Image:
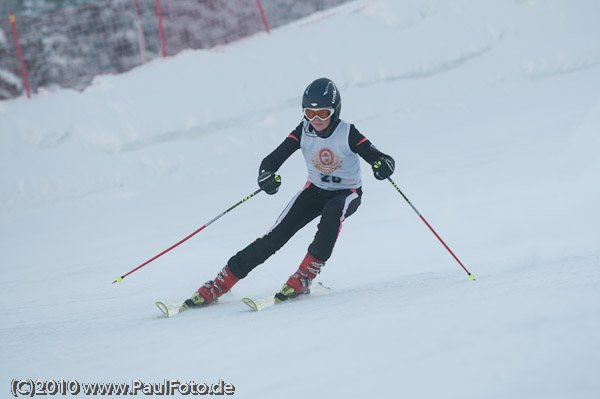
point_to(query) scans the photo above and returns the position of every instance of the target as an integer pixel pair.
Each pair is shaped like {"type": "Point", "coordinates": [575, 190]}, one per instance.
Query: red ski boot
{"type": "Point", "coordinates": [213, 289]}
{"type": "Point", "coordinates": [299, 282]}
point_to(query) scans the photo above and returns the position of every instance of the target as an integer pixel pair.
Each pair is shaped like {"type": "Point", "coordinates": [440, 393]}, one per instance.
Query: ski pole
{"type": "Point", "coordinates": [471, 277]}
{"type": "Point", "coordinates": [119, 279]}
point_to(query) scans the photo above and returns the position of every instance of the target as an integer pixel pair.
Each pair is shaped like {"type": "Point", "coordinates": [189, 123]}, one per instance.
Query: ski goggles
{"type": "Point", "coordinates": [321, 113]}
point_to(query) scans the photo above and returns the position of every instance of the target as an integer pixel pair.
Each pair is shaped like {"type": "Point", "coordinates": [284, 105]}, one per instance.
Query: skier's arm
{"type": "Point", "coordinates": [363, 146]}
{"type": "Point", "coordinates": [383, 164]}
{"type": "Point", "coordinates": [267, 179]}
{"type": "Point", "coordinates": [274, 160]}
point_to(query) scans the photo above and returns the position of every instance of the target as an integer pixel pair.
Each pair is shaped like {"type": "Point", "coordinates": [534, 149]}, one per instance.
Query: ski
{"type": "Point", "coordinates": [174, 308]}
{"type": "Point", "coordinates": [259, 304]}
{"type": "Point", "coordinates": [171, 309]}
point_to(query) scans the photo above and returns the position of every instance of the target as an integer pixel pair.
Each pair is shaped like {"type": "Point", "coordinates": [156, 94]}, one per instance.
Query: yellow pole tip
{"type": "Point", "coordinates": [118, 279]}
{"type": "Point", "coordinates": [471, 277]}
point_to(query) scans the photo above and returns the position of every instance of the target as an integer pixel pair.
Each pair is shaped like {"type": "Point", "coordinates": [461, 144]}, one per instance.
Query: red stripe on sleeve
{"type": "Point", "coordinates": [362, 141]}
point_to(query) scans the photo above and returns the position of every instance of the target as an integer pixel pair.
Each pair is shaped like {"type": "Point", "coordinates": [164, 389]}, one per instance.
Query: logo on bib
{"type": "Point", "coordinates": [326, 161]}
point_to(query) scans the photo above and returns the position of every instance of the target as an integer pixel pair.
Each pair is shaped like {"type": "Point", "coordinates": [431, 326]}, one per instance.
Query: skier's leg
{"type": "Point", "coordinates": [336, 210]}
{"type": "Point", "coordinates": [300, 211]}
{"type": "Point", "coordinates": [300, 281]}
{"type": "Point", "coordinates": [213, 289]}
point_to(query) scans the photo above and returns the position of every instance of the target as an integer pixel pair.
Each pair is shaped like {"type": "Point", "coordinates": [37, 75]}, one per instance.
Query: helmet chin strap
{"type": "Point", "coordinates": [327, 132]}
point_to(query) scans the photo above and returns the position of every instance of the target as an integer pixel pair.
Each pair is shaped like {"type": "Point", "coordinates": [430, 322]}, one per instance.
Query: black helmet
{"type": "Point", "coordinates": [323, 93]}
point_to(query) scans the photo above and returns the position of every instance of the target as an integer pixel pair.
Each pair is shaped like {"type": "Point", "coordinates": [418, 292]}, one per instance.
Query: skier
{"type": "Point", "coordinates": [331, 148]}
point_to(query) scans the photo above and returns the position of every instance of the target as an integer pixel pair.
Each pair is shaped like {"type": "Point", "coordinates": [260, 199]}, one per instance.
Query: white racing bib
{"type": "Point", "coordinates": [331, 163]}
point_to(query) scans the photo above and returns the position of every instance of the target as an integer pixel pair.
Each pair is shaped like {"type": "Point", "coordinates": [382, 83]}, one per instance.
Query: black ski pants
{"type": "Point", "coordinates": [332, 206]}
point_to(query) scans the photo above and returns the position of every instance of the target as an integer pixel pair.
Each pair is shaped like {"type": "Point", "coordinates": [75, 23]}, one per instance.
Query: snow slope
{"type": "Point", "coordinates": [492, 111]}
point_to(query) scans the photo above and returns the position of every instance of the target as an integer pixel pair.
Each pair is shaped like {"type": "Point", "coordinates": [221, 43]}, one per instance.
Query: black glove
{"type": "Point", "coordinates": [269, 182]}
{"type": "Point", "coordinates": [383, 167]}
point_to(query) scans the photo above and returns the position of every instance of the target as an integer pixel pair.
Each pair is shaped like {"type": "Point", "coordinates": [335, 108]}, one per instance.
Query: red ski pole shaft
{"type": "Point", "coordinates": [471, 277]}
{"type": "Point", "coordinates": [119, 279]}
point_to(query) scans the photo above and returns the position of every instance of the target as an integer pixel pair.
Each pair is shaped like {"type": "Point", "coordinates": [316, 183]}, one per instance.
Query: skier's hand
{"type": "Point", "coordinates": [269, 182]}
{"type": "Point", "coordinates": [383, 167]}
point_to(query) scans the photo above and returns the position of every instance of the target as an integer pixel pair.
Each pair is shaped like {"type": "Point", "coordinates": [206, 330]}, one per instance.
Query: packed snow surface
{"type": "Point", "coordinates": [491, 110]}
